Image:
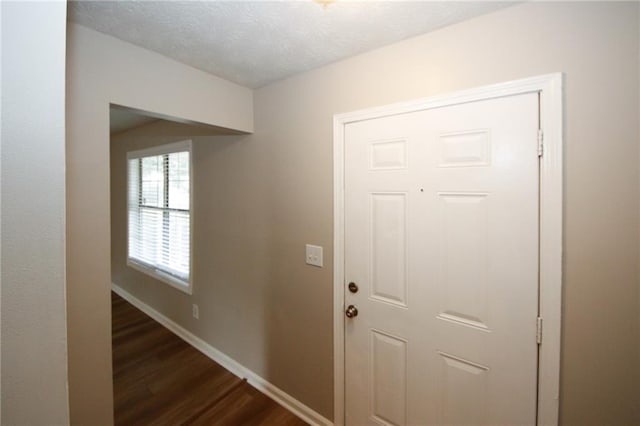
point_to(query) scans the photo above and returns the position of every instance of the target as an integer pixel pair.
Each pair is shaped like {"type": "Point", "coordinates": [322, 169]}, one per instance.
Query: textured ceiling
{"type": "Point", "coordinates": [254, 43]}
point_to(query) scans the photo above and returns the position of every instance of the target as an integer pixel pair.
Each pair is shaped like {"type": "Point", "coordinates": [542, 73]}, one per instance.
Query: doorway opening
{"type": "Point", "coordinates": [152, 365]}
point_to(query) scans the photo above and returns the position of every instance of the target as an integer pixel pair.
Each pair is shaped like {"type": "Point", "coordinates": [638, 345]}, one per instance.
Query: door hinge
{"type": "Point", "coordinates": [540, 143]}
{"type": "Point", "coordinates": [539, 330]}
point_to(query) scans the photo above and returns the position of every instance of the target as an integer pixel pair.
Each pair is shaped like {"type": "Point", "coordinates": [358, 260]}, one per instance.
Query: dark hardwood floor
{"type": "Point", "coordinates": [158, 379]}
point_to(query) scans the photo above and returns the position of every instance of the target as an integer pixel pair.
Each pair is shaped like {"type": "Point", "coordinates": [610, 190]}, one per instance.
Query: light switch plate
{"type": "Point", "coordinates": [314, 255]}
{"type": "Point", "coordinates": [195, 311]}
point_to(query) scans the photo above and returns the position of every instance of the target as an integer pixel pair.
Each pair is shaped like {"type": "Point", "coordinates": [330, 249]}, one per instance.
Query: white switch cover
{"type": "Point", "coordinates": [314, 255]}
{"type": "Point", "coordinates": [196, 311]}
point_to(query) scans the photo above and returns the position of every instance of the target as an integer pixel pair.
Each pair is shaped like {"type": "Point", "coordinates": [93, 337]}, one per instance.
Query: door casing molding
{"type": "Point", "coordinates": [550, 89]}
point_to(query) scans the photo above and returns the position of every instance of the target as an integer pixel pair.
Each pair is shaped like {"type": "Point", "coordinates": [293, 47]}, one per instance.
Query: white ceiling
{"type": "Point", "coordinates": [254, 43]}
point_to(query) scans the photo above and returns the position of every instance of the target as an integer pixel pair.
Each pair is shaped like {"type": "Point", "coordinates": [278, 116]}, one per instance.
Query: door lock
{"type": "Point", "coordinates": [351, 311]}
{"type": "Point", "coordinates": [353, 288]}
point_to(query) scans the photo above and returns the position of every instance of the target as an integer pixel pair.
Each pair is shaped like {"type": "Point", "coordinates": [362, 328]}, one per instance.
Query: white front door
{"type": "Point", "coordinates": [441, 241]}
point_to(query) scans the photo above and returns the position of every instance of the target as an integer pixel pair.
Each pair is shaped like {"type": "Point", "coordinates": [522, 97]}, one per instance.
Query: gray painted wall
{"type": "Point", "coordinates": [34, 339]}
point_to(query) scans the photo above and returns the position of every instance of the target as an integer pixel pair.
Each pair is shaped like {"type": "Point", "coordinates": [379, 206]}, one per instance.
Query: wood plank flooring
{"type": "Point", "coordinates": [158, 379]}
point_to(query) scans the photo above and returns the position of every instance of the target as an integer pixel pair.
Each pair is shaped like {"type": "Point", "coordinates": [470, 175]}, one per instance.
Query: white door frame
{"type": "Point", "coordinates": [550, 88]}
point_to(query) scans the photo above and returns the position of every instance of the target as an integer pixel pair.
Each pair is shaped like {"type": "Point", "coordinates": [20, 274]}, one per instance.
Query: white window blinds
{"type": "Point", "coordinates": [159, 209]}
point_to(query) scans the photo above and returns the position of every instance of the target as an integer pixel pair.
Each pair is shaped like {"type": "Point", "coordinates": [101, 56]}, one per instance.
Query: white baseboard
{"type": "Point", "coordinates": [273, 392]}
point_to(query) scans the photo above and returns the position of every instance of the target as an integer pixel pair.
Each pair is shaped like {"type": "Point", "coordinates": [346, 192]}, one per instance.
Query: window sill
{"type": "Point", "coordinates": [174, 282]}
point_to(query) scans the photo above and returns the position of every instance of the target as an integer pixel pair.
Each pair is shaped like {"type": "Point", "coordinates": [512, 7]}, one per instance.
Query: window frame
{"type": "Point", "coordinates": [157, 273]}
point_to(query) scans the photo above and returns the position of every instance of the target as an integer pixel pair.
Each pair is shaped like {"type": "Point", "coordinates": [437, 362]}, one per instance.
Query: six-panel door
{"type": "Point", "coordinates": [441, 237]}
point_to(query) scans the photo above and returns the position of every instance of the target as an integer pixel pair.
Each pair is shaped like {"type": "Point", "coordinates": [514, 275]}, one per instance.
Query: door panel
{"type": "Point", "coordinates": [388, 378]}
{"type": "Point", "coordinates": [441, 236]}
{"type": "Point", "coordinates": [464, 390]}
{"type": "Point", "coordinates": [463, 234]}
{"type": "Point", "coordinates": [388, 247]}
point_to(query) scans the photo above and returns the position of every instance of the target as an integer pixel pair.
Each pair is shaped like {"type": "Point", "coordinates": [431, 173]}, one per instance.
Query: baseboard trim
{"type": "Point", "coordinates": [272, 391]}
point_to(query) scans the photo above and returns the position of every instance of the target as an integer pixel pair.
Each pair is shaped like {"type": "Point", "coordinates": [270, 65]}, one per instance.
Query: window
{"type": "Point", "coordinates": [159, 208]}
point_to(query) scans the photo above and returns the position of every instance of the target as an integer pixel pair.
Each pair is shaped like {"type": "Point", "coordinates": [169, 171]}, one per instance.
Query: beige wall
{"type": "Point", "coordinates": [260, 198]}
{"type": "Point", "coordinates": [34, 340]}
{"type": "Point", "coordinates": [102, 69]}
{"type": "Point", "coordinates": [596, 46]}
